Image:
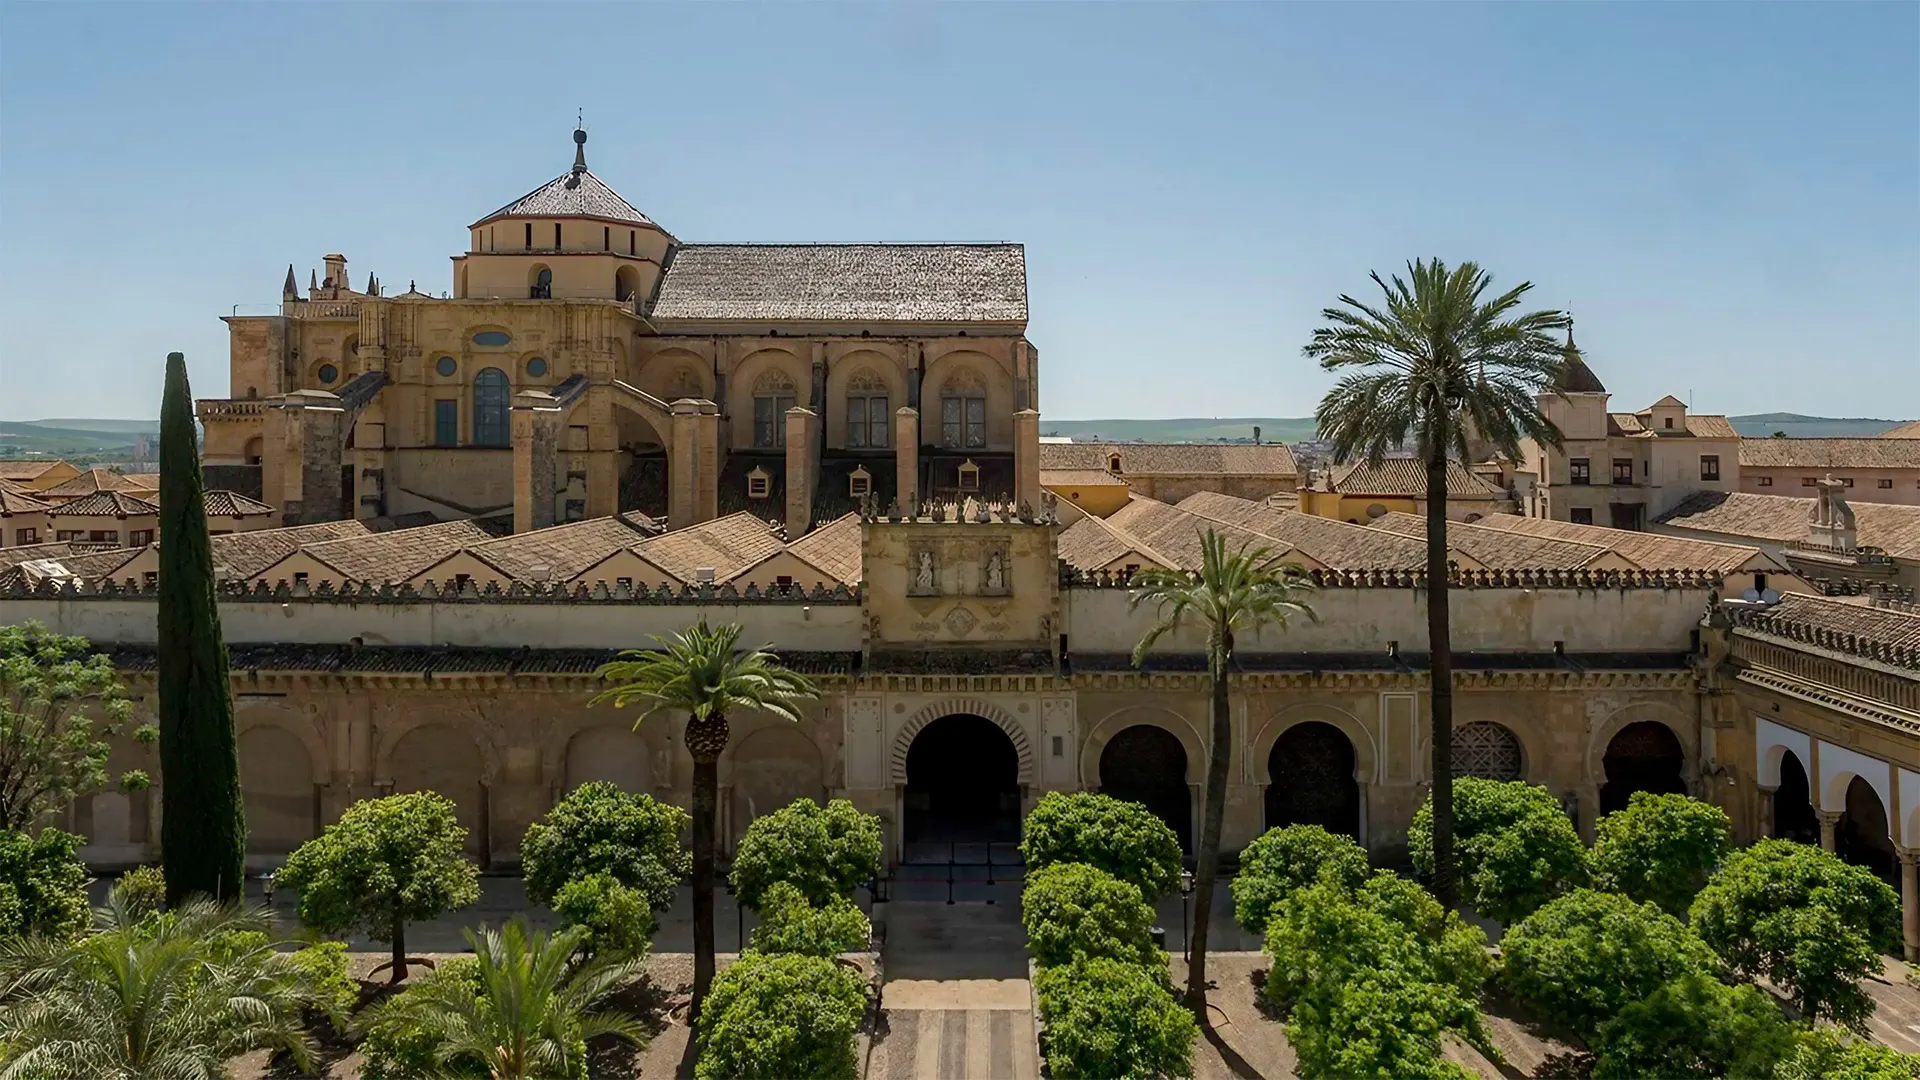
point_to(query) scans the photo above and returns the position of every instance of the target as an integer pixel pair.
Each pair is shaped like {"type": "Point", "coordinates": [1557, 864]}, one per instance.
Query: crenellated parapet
{"type": "Point", "coordinates": [1458, 579]}
{"type": "Point", "coordinates": [451, 591]}
{"type": "Point", "coordinates": [1809, 628]}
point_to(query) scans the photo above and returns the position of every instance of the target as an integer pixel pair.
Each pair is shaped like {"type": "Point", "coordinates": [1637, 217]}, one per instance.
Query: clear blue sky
{"type": "Point", "coordinates": [1727, 196]}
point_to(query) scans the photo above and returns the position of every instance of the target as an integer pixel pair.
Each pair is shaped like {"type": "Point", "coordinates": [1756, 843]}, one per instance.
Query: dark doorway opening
{"type": "Point", "coordinates": [963, 783]}
{"type": "Point", "coordinates": [1147, 765]}
{"type": "Point", "coordinates": [1644, 756]}
{"type": "Point", "coordinates": [1861, 837]}
{"type": "Point", "coordinates": [1310, 780]}
{"type": "Point", "coordinates": [1793, 803]}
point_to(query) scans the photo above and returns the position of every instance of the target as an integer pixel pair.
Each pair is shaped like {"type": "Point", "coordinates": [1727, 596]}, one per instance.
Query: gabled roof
{"type": "Point", "coordinates": [245, 554]}
{"type": "Point", "coordinates": [1080, 478]}
{"type": "Point", "coordinates": [845, 283]}
{"type": "Point", "coordinates": [1333, 543]}
{"type": "Point", "coordinates": [223, 503]}
{"type": "Point", "coordinates": [1890, 527]}
{"type": "Point", "coordinates": [1834, 453]}
{"type": "Point", "coordinates": [1909, 430]}
{"type": "Point", "coordinates": [10, 556]}
{"type": "Point", "coordinates": [1577, 378]}
{"type": "Point", "coordinates": [834, 548]}
{"type": "Point", "coordinates": [574, 193]}
{"type": "Point", "coordinates": [1696, 425]}
{"type": "Point", "coordinates": [15, 500]}
{"type": "Point", "coordinates": [1503, 550]}
{"type": "Point", "coordinates": [1408, 477]}
{"type": "Point", "coordinates": [1091, 543]}
{"type": "Point", "coordinates": [106, 504]}
{"type": "Point", "coordinates": [87, 566]}
{"type": "Point", "coordinates": [565, 550]}
{"type": "Point", "coordinates": [90, 481]}
{"type": "Point", "coordinates": [27, 469]}
{"type": "Point", "coordinates": [1877, 625]}
{"type": "Point", "coordinates": [1173, 534]}
{"type": "Point", "coordinates": [1668, 402]}
{"type": "Point", "coordinates": [391, 556]}
{"type": "Point", "coordinates": [723, 545]}
{"type": "Point", "coordinates": [1652, 551]}
{"type": "Point", "coordinates": [1173, 459]}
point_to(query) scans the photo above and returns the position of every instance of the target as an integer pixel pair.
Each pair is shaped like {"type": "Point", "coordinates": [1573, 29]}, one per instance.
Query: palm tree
{"type": "Point", "coordinates": [1441, 366]}
{"type": "Point", "coordinates": [536, 1009]}
{"type": "Point", "coordinates": [146, 997]}
{"type": "Point", "coordinates": [1233, 592]}
{"type": "Point", "coordinates": [702, 672]}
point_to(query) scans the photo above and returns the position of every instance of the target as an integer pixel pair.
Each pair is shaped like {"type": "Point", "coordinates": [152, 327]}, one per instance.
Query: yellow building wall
{"type": "Point", "coordinates": [1100, 501]}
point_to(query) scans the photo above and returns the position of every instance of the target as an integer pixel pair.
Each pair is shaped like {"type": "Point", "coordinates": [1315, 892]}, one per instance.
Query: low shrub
{"type": "Point", "coordinates": [1583, 958]}
{"type": "Point", "coordinates": [1285, 859]}
{"type": "Point", "coordinates": [1073, 911]}
{"type": "Point", "coordinates": [397, 1045]}
{"type": "Point", "coordinates": [775, 1016]}
{"type": "Point", "coordinates": [1660, 849]}
{"type": "Point", "coordinates": [619, 919]}
{"type": "Point", "coordinates": [1514, 847]}
{"type": "Point", "coordinates": [1806, 920]}
{"type": "Point", "coordinates": [599, 829]}
{"type": "Point", "coordinates": [1381, 1021]}
{"type": "Point", "coordinates": [1825, 1054]}
{"type": "Point", "coordinates": [1111, 1018]}
{"type": "Point", "coordinates": [142, 889]}
{"type": "Point", "coordinates": [323, 968]}
{"type": "Point", "coordinates": [1694, 1026]}
{"type": "Point", "coordinates": [791, 925]}
{"type": "Point", "coordinates": [1123, 838]}
{"type": "Point", "coordinates": [43, 884]}
{"type": "Point", "coordinates": [824, 851]}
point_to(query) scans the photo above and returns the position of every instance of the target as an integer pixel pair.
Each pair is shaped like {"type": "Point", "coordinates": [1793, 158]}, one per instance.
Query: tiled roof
{"type": "Point", "coordinates": [140, 481]}
{"type": "Point", "coordinates": [1080, 478]}
{"type": "Point", "coordinates": [1650, 551]}
{"type": "Point", "coordinates": [1496, 549]}
{"type": "Point", "coordinates": [1882, 625]}
{"type": "Point", "coordinates": [233, 504]}
{"type": "Point", "coordinates": [1698, 425]}
{"type": "Point", "coordinates": [1892, 528]}
{"type": "Point", "coordinates": [1334, 543]}
{"type": "Point", "coordinates": [1577, 378]}
{"type": "Point", "coordinates": [398, 555]}
{"type": "Point", "coordinates": [451, 659]}
{"type": "Point", "coordinates": [572, 194]}
{"type": "Point", "coordinates": [846, 283]}
{"type": "Point", "coordinates": [834, 548]}
{"type": "Point", "coordinates": [11, 556]}
{"type": "Point", "coordinates": [723, 544]}
{"type": "Point", "coordinates": [245, 554]}
{"type": "Point", "coordinates": [1909, 430]}
{"type": "Point", "coordinates": [90, 481]}
{"type": "Point", "coordinates": [15, 500]}
{"type": "Point", "coordinates": [106, 504]}
{"type": "Point", "coordinates": [1173, 459]}
{"type": "Point", "coordinates": [565, 550]}
{"type": "Point", "coordinates": [1091, 543]}
{"type": "Point", "coordinates": [1839, 453]}
{"type": "Point", "coordinates": [87, 565]}
{"type": "Point", "coordinates": [1406, 476]}
{"type": "Point", "coordinates": [1174, 534]}
{"type": "Point", "coordinates": [26, 469]}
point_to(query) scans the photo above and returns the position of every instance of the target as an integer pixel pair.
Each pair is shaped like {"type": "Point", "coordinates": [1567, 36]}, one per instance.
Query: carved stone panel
{"type": "Point", "coordinates": [866, 750]}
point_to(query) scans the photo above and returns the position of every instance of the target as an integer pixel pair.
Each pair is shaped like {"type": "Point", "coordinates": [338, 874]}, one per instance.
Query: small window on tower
{"type": "Point", "coordinates": [759, 483]}
{"type": "Point", "coordinates": [969, 476]}
{"type": "Point", "coordinates": [606, 238]}
{"type": "Point", "coordinates": [556, 236]}
{"type": "Point", "coordinates": [529, 236]}
{"type": "Point", "coordinates": [859, 483]}
{"type": "Point", "coordinates": [1113, 463]}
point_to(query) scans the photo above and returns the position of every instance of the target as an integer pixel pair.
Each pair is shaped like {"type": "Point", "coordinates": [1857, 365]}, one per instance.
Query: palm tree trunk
{"type": "Point", "coordinates": [399, 971]}
{"type": "Point", "coordinates": [1219, 759]}
{"type": "Point", "coordinates": [1440, 642]}
{"type": "Point", "coordinates": [706, 790]}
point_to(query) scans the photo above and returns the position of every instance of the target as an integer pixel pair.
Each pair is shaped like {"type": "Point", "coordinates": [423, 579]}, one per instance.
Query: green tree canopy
{"type": "Point", "coordinates": [59, 702]}
{"type": "Point", "coordinates": [1581, 959]}
{"type": "Point", "coordinates": [1694, 1026]}
{"type": "Point", "coordinates": [1803, 918]}
{"type": "Point", "coordinates": [1515, 846]}
{"type": "Point", "coordinates": [1123, 838]}
{"type": "Point", "coordinates": [385, 863]}
{"type": "Point", "coordinates": [1108, 1018]}
{"type": "Point", "coordinates": [1660, 849]}
{"type": "Point", "coordinates": [598, 829]}
{"type": "Point", "coordinates": [789, 924]}
{"type": "Point", "coordinates": [1282, 860]}
{"type": "Point", "coordinates": [1073, 911]}
{"type": "Point", "coordinates": [43, 884]}
{"type": "Point", "coordinates": [824, 851]}
{"type": "Point", "coordinates": [778, 1016]}
{"type": "Point", "coordinates": [1825, 1054]}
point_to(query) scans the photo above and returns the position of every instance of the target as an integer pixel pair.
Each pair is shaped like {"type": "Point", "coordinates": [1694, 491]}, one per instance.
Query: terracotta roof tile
{"type": "Point", "coordinates": [1091, 543]}
{"type": "Point", "coordinates": [398, 555]}
{"type": "Point", "coordinates": [245, 554]}
{"type": "Point", "coordinates": [10, 556]}
{"type": "Point", "coordinates": [106, 504]}
{"type": "Point", "coordinates": [27, 468]}
{"type": "Point", "coordinates": [15, 500]}
{"type": "Point", "coordinates": [87, 565]}
{"type": "Point", "coordinates": [1651, 551]}
{"type": "Point", "coordinates": [221, 503]}
{"type": "Point", "coordinates": [1909, 430]}
{"type": "Point", "coordinates": [834, 547]}
{"type": "Point", "coordinates": [1173, 459]}
{"type": "Point", "coordinates": [723, 545]}
{"type": "Point", "coordinates": [572, 194]}
{"type": "Point", "coordinates": [846, 283]}
{"type": "Point", "coordinates": [1080, 478]}
{"type": "Point", "coordinates": [1406, 476]}
{"type": "Point", "coordinates": [1333, 543]}
{"type": "Point", "coordinates": [1577, 378]}
{"type": "Point", "coordinates": [1892, 528]}
{"type": "Point", "coordinates": [1698, 425]}
{"type": "Point", "coordinates": [90, 481]}
{"type": "Point", "coordinates": [1837, 453]}
{"type": "Point", "coordinates": [1497, 549]}
{"type": "Point", "coordinates": [1851, 615]}
{"type": "Point", "coordinates": [565, 550]}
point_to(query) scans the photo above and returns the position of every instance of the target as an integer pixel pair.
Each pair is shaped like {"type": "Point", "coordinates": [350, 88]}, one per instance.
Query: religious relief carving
{"type": "Point", "coordinates": [995, 575]}
{"type": "Point", "coordinates": [923, 571]}
{"type": "Point", "coordinates": [959, 622]}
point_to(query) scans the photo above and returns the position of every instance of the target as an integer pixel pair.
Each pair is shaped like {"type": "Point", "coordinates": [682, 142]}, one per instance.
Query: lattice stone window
{"type": "Point", "coordinates": [1486, 750]}
{"type": "Point", "coordinates": [963, 410]}
{"type": "Point", "coordinates": [867, 417]}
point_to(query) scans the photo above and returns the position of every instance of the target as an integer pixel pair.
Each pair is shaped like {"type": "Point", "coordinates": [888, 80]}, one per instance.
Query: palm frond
{"type": "Point", "coordinates": [703, 672]}
{"type": "Point", "coordinates": [1245, 589]}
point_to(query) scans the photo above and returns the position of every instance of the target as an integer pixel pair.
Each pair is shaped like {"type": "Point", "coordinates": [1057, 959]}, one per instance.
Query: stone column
{"type": "Point", "coordinates": [1909, 901]}
{"type": "Point", "coordinates": [707, 467]}
{"type": "Point", "coordinates": [906, 457]}
{"type": "Point", "coordinates": [1765, 813]}
{"type": "Point", "coordinates": [1829, 820]}
{"type": "Point", "coordinates": [1026, 457]}
{"type": "Point", "coordinates": [683, 465]}
{"type": "Point", "coordinates": [313, 423]}
{"type": "Point", "coordinates": [536, 437]}
{"type": "Point", "coordinates": [800, 470]}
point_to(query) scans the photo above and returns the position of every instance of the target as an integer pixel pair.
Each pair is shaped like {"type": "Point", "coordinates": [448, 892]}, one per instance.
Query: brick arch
{"type": "Point", "coordinates": [1260, 748]}
{"type": "Point", "coordinates": [1658, 712]}
{"type": "Point", "coordinates": [293, 722]}
{"type": "Point", "coordinates": [1001, 719]}
{"type": "Point", "coordinates": [1168, 720]}
{"type": "Point", "coordinates": [397, 728]}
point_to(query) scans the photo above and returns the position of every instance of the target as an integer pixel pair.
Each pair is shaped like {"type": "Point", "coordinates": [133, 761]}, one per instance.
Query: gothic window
{"type": "Point", "coordinates": [963, 411]}
{"type": "Point", "coordinates": [446, 422]}
{"type": "Point", "coordinates": [772, 397]}
{"type": "Point", "coordinates": [491, 399]}
{"type": "Point", "coordinates": [1487, 751]}
{"type": "Point", "coordinates": [867, 420]}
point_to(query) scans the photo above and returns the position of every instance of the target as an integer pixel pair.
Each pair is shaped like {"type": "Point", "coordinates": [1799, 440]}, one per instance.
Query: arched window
{"type": "Point", "coordinates": [1486, 750]}
{"type": "Point", "coordinates": [1113, 463]}
{"type": "Point", "coordinates": [491, 399]}
{"type": "Point", "coordinates": [772, 397]}
{"type": "Point", "coordinates": [625, 281]}
{"type": "Point", "coordinates": [541, 285]}
{"type": "Point", "coordinates": [963, 411]}
{"type": "Point", "coordinates": [866, 412]}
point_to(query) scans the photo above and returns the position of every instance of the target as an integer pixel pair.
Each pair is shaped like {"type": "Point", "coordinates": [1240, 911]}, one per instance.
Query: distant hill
{"type": "Point", "coordinates": [124, 427]}
{"type": "Point", "coordinates": [79, 440]}
{"type": "Point", "coordinates": [1797, 426]}
{"type": "Point", "coordinates": [1195, 429]}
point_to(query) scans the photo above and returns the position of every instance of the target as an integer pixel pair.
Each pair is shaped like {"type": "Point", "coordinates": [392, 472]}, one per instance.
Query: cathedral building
{"type": "Point", "coordinates": [586, 363]}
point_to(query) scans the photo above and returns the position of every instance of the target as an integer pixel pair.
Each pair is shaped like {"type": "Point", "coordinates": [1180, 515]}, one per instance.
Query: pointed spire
{"type": "Point", "coordinates": [373, 287]}
{"type": "Point", "coordinates": [580, 148]}
{"type": "Point", "coordinates": [313, 282]}
{"type": "Point", "coordinates": [291, 289]}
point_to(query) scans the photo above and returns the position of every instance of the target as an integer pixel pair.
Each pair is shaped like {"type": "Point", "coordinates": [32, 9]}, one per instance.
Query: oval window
{"type": "Point", "coordinates": [328, 373]}
{"type": "Point", "coordinates": [537, 368]}
{"type": "Point", "coordinates": [446, 366]}
{"type": "Point", "coordinates": [492, 337]}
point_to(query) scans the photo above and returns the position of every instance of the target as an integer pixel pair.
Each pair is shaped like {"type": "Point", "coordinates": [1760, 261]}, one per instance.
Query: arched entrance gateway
{"type": "Point", "coordinates": [963, 783]}
{"type": "Point", "coordinates": [1146, 764]}
{"type": "Point", "coordinates": [1644, 756]}
{"type": "Point", "coordinates": [1310, 780]}
{"type": "Point", "coordinates": [1861, 836]}
{"type": "Point", "coordinates": [1793, 817]}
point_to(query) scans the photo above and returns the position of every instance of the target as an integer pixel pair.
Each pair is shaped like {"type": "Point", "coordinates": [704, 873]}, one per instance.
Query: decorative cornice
{"type": "Point", "coordinates": [449, 593]}
{"type": "Point", "coordinates": [1830, 698]}
{"type": "Point", "coordinates": [1814, 637]}
{"type": "Point", "coordinates": [1459, 579]}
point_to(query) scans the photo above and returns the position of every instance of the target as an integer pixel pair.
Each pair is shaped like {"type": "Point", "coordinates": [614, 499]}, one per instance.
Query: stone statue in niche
{"type": "Point", "coordinates": [923, 572]}
{"type": "Point", "coordinates": [993, 580]}
{"type": "Point", "coordinates": [996, 573]}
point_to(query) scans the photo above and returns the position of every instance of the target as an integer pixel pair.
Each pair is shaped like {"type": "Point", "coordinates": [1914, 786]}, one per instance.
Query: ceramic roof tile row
{"type": "Point", "coordinates": [244, 554]}
{"type": "Point", "coordinates": [1883, 625]}
{"type": "Point", "coordinates": [1698, 425]}
{"type": "Point", "coordinates": [220, 503]}
{"type": "Point", "coordinates": [1910, 430]}
{"type": "Point", "coordinates": [846, 283]}
{"type": "Point", "coordinates": [724, 545]}
{"type": "Point", "coordinates": [1892, 528]}
{"type": "Point", "coordinates": [572, 194]}
{"type": "Point", "coordinates": [92, 480]}
{"type": "Point", "coordinates": [565, 550]}
{"type": "Point", "coordinates": [397, 555]}
{"type": "Point", "coordinates": [1332, 543]}
{"type": "Point", "coordinates": [1091, 543]}
{"type": "Point", "coordinates": [106, 504]}
{"type": "Point", "coordinates": [10, 556]}
{"type": "Point", "coordinates": [1407, 477]}
{"type": "Point", "coordinates": [1080, 478]}
{"type": "Point", "coordinates": [1837, 453]}
{"type": "Point", "coordinates": [1496, 549]}
{"type": "Point", "coordinates": [1173, 459]}
{"type": "Point", "coordinates": [835, 548]}
{"type": "Point", "coordinates": [27, 468]}
{"type": "Point", "coordinates": [1650, 551]}
{"type": "Point", "coordinates": [15, 500]}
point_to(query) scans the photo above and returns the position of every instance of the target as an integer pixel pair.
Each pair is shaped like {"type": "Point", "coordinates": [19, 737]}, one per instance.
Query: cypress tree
{"type": "Point", "coordinates": [203, 832]}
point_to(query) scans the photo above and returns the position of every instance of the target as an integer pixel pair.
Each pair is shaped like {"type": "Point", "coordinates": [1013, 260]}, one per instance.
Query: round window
{"type": "Point", "coordinates": [446, 366]}
{"type": "Point", "coordinates": [537, 368]}
{"type": "Point", "coordinates": [328, 373]}
{"type": "Point", "coordinates": [492, 337]}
